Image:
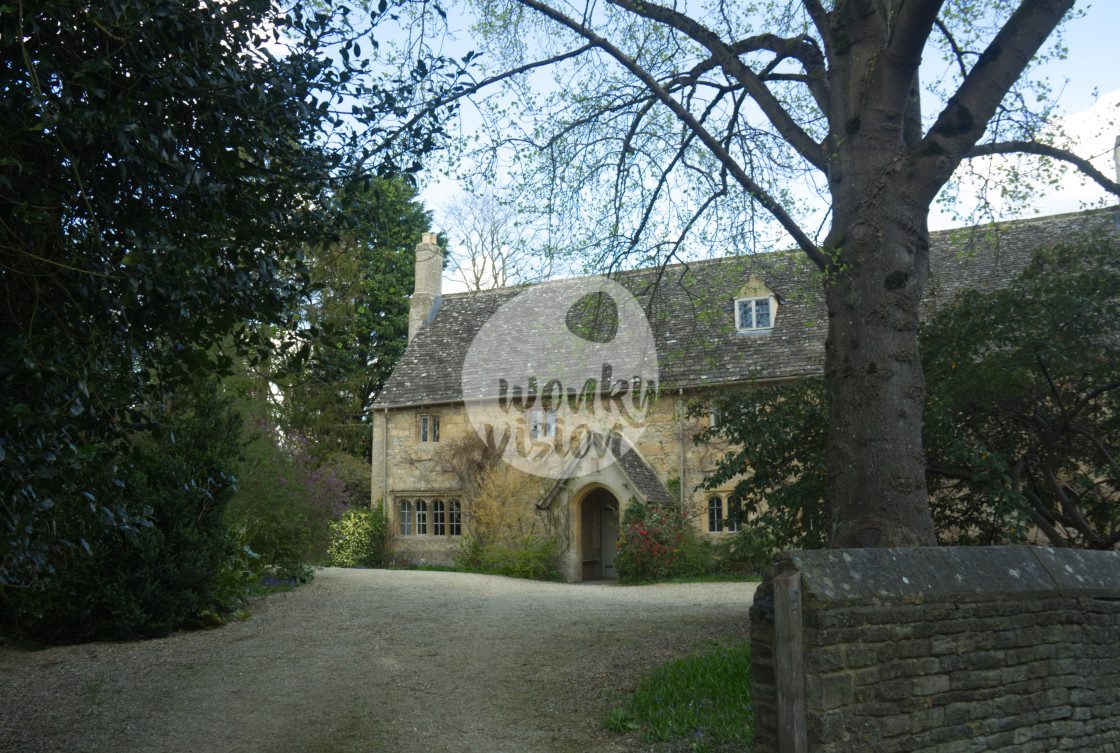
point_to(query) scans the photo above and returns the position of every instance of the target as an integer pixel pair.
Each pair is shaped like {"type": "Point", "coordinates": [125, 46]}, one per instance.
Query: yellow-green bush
{"type": "Point", "coordinates": [358, 538]}
{"type": "Point", "coordinates": [507, 535]}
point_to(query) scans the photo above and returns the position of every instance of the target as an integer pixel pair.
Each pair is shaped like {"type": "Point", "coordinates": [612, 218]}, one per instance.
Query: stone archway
{"type": "Point", "coordinates": [597, 533]}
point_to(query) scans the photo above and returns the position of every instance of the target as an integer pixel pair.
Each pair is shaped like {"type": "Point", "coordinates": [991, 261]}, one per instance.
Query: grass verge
{"type": "Point", "coordinates": [703, 700]}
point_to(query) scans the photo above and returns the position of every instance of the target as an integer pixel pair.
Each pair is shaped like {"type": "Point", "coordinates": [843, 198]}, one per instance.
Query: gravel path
{"type": "Point", "coordinates": [372, 660]}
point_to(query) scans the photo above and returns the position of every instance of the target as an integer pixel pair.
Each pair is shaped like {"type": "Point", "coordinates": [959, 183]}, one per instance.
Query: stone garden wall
{"type": "Point", "coordinates": [945, 649]}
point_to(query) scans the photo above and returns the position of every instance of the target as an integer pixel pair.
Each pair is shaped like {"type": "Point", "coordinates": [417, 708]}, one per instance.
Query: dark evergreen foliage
{"type": "Point", "coordinates": [145, 580]}
{"type": "Point", "coordinates": [163, 166]}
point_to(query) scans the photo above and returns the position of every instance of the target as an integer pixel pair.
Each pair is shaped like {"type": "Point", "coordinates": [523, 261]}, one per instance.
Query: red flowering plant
{"type": "Point", "coordinates": [657, 542]}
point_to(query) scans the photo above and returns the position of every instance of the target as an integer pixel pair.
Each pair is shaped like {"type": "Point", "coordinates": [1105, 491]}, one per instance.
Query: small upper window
{"type": "Point", "coordinates": [754, 313]}
{"type": "Point", "coordinates": [429, 428]}
{"type": "Point", "coordinates": [542, 423]}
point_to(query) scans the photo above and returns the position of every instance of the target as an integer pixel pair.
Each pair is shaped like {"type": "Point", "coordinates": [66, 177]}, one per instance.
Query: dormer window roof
{"type": "Point", "coordinates": [756, 307]}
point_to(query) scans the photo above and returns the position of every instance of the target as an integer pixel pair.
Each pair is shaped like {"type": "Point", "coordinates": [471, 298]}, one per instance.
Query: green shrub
{"type": "Point", "coordinates": [237, 577]}
{"type": "Point", "coordinates": [530, 556]}
{"type": "Point", "coordinates": [658, 542]}
{"type": "Point", "coordinates": [145, 581]}
{"type": "Point", "coordinates": [358, 538]}
{"type": "Point", "coordinates": [470, 554]}
{"type": "Point", "coordinates": [750, 549]}
{"type": "Point", "coordinates": [285, 501]}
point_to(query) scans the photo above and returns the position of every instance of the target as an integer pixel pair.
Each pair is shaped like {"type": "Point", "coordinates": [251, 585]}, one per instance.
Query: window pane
{"type": "Point", "coordinates": [536, 418]}
{"type": "Point", "coordinates": [423, 428]}
{"type": "Point", "coordinates": [421, 518]}
{"type": "Point", "coordinates": [550, 423]}
{"type": "Point", "coordinates": [715, 514]}
{"type": "Point", "coordinates": [762, 313]}
{"type": "Point", "coordinates": [438, 526]}
{"type": "Point", "coordinates": [746, 315]}
{"type": "Point", "coordinates": [434, 428]}
{"type": "Point", "coordinates": [406, 518]}
{"type": "Point", "coordinates": [455, 522]}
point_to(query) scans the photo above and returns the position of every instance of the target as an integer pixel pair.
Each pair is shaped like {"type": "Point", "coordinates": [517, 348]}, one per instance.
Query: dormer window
{"type": "Point", "coordinates": [755, 314]}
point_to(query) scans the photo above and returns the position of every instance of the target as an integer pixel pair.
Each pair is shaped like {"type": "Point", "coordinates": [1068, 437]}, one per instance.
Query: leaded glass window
{"type": "Point", "coordinates": [406, 517]}
{"type": "Point", "coordinates": [439, 525]}
{"type": "Point", "coordinates": [454, 518]}
{"type": "Point", "coordinates": [754, 313]}
{"type": "Point", "coordinates": [715, 514]}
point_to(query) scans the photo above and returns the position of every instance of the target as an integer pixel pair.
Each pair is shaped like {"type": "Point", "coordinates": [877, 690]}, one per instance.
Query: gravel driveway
{"type": "Point", "coordinates": [372, 660]}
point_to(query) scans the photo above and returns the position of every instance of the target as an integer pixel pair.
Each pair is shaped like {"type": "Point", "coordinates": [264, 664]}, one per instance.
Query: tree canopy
{"type": "Point", "coordinates": [355, 322]}
{"type": "Point", "coordinates": [163, 167]}
{"type": "Point", "coordinates": [1022, 415]}
{"type": "Point", "coordinates": [735, 125]}
{"type": "Point", "coordinates": [1021, 425]}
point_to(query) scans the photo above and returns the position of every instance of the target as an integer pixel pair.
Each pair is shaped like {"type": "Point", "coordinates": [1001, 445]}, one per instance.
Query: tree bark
{"type": "Point", "coordinates": [876, 479]}
{"type": "Point", "coordinates": [879, 247]}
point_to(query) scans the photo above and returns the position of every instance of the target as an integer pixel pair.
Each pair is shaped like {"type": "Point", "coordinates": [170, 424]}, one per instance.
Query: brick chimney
{"type": "Point", "coordinates": [429, 282]}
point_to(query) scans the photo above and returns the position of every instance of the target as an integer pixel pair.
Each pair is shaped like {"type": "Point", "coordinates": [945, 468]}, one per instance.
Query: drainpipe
{"type": "Point", "coordinates": [385, 462]}
{"type": "Point", "coordinates": [680, 411]}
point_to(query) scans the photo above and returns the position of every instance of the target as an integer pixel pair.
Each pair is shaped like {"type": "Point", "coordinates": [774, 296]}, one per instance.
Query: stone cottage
{"type": "Point", "coordinates": [505, 372]}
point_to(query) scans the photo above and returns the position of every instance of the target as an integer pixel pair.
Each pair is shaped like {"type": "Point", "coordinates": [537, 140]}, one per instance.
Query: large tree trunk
{"type": "Point", "coordinates": [879, 244]}
{"type": "Point", "coordinates": [876, 477]}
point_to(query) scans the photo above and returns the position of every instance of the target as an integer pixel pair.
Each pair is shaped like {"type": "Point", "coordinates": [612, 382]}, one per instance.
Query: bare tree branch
{"type": "Point", "coordinates": [1045, 150]}
{"type": "Point", "coordinates": [752, 188]}
{"type": "Point", "coordinates": [803, 49]}
{"type": "Point", "coordinates": [957, 52]}
{"type": "Point", "coordinates": [775, 113]}
{"type": "Point", "coordinates": [820, 20]}
{"type": "Point", "coordinates": [966, 114]}
{"type": "Point", "coordinates": [435, 104]}
{"type": "Point", "coordinates": [909, 26]}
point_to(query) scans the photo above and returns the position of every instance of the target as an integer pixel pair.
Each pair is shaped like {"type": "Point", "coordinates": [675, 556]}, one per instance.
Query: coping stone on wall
{"type": "Point", "coordinates": [864, 577]}
{"type": "Point", "coordinates": [1081, 572]}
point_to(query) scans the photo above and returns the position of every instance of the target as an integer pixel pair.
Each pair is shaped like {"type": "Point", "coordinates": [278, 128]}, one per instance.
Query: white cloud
{"type": "Point", "coordinates": [1091, 134]}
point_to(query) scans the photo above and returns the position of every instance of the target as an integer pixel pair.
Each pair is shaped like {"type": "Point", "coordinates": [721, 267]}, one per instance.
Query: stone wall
{"type": "Point", "coordinates": [947, 649]}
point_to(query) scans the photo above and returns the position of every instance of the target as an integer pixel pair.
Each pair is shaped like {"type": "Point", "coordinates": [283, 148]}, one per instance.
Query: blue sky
{"type": "Point", "coordinates": [1094, 57]}
{"type": "Point", "coordinates": [1092, 65]}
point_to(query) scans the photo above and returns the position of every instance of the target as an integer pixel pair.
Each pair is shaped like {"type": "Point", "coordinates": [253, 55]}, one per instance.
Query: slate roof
{"type": "Point", "coordinates": [644, 481]}
{"type": "Point", "coordinates": [691, 310]}
{"type": "Point", "coordinates": [642, 477]}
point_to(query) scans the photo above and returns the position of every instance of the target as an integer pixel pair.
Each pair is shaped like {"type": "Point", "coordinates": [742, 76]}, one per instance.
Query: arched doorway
{"type": "Point", "coordinates": [598, 535]}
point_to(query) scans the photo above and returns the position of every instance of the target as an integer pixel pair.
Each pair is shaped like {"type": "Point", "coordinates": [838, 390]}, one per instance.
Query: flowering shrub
{"type": "Point", "coordinates": [358, 538]}
{"type": "Point", "coordinates": [285, 500]}
{"type": "Point", "coordinates": [658, 542]}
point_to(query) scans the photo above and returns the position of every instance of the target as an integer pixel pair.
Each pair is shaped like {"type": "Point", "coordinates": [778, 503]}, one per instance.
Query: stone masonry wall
{"type": "Point", "coordinates": [949, 649]}
{"type": "Point", "coordinates": [423, 468]}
